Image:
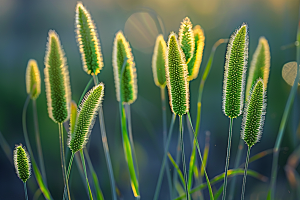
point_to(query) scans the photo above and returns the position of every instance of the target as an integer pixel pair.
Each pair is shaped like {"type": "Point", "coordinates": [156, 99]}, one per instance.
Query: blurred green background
{"type": "Point", "coordinates": [23, 35]}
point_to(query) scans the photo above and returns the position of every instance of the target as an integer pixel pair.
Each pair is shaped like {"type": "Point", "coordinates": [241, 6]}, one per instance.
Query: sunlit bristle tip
{"type": "Point", "coordinates": [88, 42]}
{"type": "Point", "coordinates": [86, 115]}
{"type": "Point", "coordinates": [254, 114]}
{"type": "Point", "coordinates": [159, 61]}
{"type": "Point", "coordinates": [260, 65]}
{"type": "Point", "coordinates": [73, 116]}
{"type": "Point", "coordinates": [121, 51]}
{"type": "Point", "coordinates": [235, 72]}
{"type": "Point", "coordinates": [57, 80]}
{"type": "Point", "coordinates": [22, 163]}
{"type": "Point", "coordinates": [195, 62]}
{"type": "Point", "coordinates": [176, 75]}
{"type": "Point", "coordinates": [33, 79]}
{"type": "Point", "coordinates": [186, 39]}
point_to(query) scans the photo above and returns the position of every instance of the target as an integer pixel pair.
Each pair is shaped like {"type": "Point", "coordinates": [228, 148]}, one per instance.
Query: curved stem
{"type": "Point", "coordinates": [84, 169]}
{"type": "Point", "coordinates": [245, 174]}
{"type": "Point", "coordinates": [161, 172]}
{"type": "Point", "coordinates": [85, 90]}
{"type": "Point", "coordinates": [62, 152]}
{"type": "Point", "coordinates": [25, 190]}
{"type": "Point", "coordinates": [106, 149]}
{"type": "Point", "coordinates": [177, 161]}
{"type": "Point", "coordinates": [183, 156]}
{"type": "Point", "coordinates": [38, 141]}
{"type": "Point", "coordinates": [227, 159]}
{"type": "Point", "coordinates": [68, 174]}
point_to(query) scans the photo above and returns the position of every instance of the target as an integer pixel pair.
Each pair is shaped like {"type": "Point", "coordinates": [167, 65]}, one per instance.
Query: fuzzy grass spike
{"type": "Point", "coordinates": [186, 39]}
{"type": "Point", "coordinates": [22, 163]}
{"type": "Point", "coordinates": [33, 79]}
{"type": "Point", "coordinates": [195, 62]}
{"type": "Point", "coordinates": [57, 80]}
{"type": "Point", "coordinates": [158, 61]}
{"type": "Point", "coordinates": [87, 112]}
{"type": "Point", "coordinates": [122, 50]}
{"type": "Point", "coordinates": [88, 42]}
{"type": "Point", "coordinates": [260, 65]}
{"type": "Point", "coordinates": [176, 75]}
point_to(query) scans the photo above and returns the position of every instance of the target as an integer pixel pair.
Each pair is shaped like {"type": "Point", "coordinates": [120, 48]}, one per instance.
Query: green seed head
{"type": "Point", "coordinates": [195, 62]}
{"type": "Point", "coordinates": [122, 50]}
{"type": "Point", "coordinates": [235, 72]}
{"type": "Point", "coordinates": [254, 114]}
{"type": "Point", "coordinates": [86, 116]}
{"type": "Point", "coordinates": [33, 79]}
{"type": "Point", "coordinates": [260, 65]}
{"type": "Point", "coordinates": [88, 42]}
{"type": "Point", "coordinates": [73, 116]}
{"type": "Point", "coordinates": [186, 39]}
{"type": "Point", "coordinates": [22, 163]}
{"type": "Point", "coordinates": [57, 80]}
{"type": "Point", "coordinates": [176, 74]}
{"type": "Point", "coordinates": [158, 61]}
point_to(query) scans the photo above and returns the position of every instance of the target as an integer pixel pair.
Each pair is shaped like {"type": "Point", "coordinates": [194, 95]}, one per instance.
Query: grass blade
{"type": "Point", "coordinates": [6, 148]}
{"type": "Point", "coordinates": [177, 169]}
{"type": "Point", "coordinates": [84, 169]}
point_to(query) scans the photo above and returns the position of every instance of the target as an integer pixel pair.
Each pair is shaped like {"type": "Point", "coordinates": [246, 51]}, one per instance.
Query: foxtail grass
{"type": "Point", "coordinates": [233, 83]}
{"type": "Point", "coordinates": [22, 165]}
{"type": "Point", "coordinates": [186, 39]}
{"type": "Point", "coordinates": [253, 121]}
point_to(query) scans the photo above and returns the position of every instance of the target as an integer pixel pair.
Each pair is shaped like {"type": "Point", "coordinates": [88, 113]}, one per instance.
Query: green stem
{"type": "Point", "coordinates": [85, 90]}
{"type": "Point", "coordinates": [38, 141]}
{"type": "Point", "coordinates": [245, 174]}
{"type": "Point", "coordinates": [105, 147]}
{"type": "Point", "coordinates": [68, 174]}
{"type": "Point", "coordinates": [183, 156]}
{"type": "Point", "coordinates": [236, 165]}
{"type": "Point", "coordinates": [6, 148]}
{"type": "Point", "coordinates": [227, 159]}
{"type": "Point", "coordinates": [84, 169]}
{"type": "Point", "coordinates": [177, 161]}
{"type": "Point", "coordinates": [286, 112]}
{"type": "Point", "coordinates": [62, 152]}
{"type": "Point", "coordinates": [25, 190]}
{"type": "Point", "coordinates": [164, 118]}
{"type": "Point", "coordinates": [161, 172]}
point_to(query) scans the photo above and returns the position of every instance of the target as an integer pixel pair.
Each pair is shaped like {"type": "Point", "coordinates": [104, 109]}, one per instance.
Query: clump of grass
{"type": "Point", "coordinates": [253, 121]}
{"type": "Point", "coordinates": [87, 40]}
{"type": "Point", "coordinates": [233, 85]}
{"type": "Point", "coordinates": [33, 79]}
{"type": "Point", "coordinates": [22, 165]}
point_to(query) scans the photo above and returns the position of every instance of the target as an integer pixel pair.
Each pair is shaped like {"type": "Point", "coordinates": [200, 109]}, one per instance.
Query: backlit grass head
{"type": "Point", "coordinates": [33, 79]}
{"type": "Point", "coordinates": [235, 72]}
{"type": "Point", "coordinates": [22, 163]}
{"type": "Point", "coordinates": [186, 39]}
{"type": "Point", "coordinates": [73, 116]}
{"type": "Point", "coordinates": [254, 114]}
{"type": "Point", "coordinates": [88, 41]}
{"type": "Point", "coordinates": [121, 51]}
{"type": "Point", "coordinates": [195, 62]}
{"type": "Point", "coordinates": [260, 65]}
{"type": "Point", "coordinates": [57, 80]}
{"type": "Point", "coordinates": [159, 61]}
{"type": "Point", "coordinates": [176, 74]}
{"type": "Point", "coordinates": [86, 115]}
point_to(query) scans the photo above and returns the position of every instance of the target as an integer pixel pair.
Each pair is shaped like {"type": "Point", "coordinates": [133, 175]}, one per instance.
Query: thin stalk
{"type": "Point", "coordinates": [85, 90]}
{"type": "Point", "coordinates": [164, 118]}
{"type": "Point", "coordinates": [84, 169]}
{"type": "Point", "coordinates": [161, 172]}
{"type": "Point", "coordinates": [245, 174]}
{"type": "Point", "coordinates": [236, 165]}
{"type": "Point", "coordinates": [177, 161]}
{"type": "Point", "coordinates": [38, 141]}
{"type": "Point", "coordinates": [105, 147]}
{"type": "Point", "coordinates": [68, 174]}
{"type": "Point", "coordinates": [25, 190]}
{"type": "Point", "coordinates": [227, 159]}
{"type": "Point", "coordinates": [286, 112]}
{"type": "Point", "coordinates": [183, 156]}
{"type": "Point", "coordinates": [6, 148]}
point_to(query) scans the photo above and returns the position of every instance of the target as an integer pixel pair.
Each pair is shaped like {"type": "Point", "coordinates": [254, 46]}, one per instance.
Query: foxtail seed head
{"type": "Point", "coordinates": [33, 79]}
{"type": "Point", "coordinates": [254, 114]}
{"type": "Point", "coordinates": [73, 116]}
{"type": "Point", "coordinates": [57, 80]}
{"type": "Point", "coordinates": [235, 72]}
{"type": "Point", "coordinates": [158, 61]}
{"type": "Point", "coordinates": [176, 74]}
{"type": "Point", "coordinates": [22, 163]}
{"type": "Point", "coordinates": [260, 65]}
{"type": "Point", "coordinates": [195, 62]}
{"type": "Point", "coordinates": [122, 50]}
{"type": "Point", "coordinates": [87, 39]}
{"type": "Point", "coordinates": [186, 39]}
{"type": "Point", "coordinates": [86, 116]}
